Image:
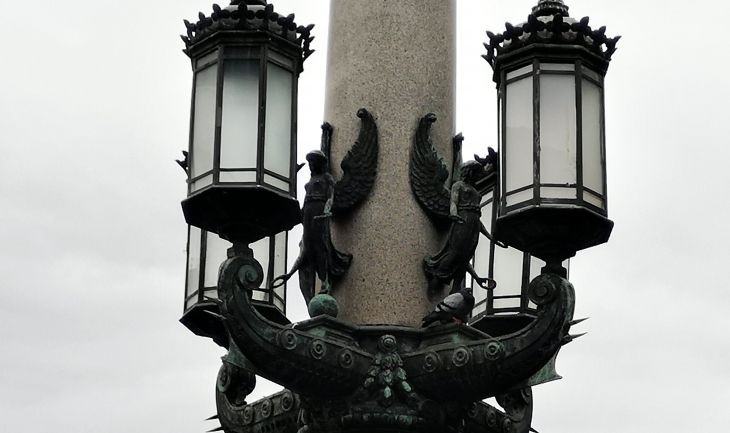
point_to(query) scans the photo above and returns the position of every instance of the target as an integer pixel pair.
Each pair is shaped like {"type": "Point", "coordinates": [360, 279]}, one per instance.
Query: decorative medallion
{"type": "Point", "coordinates": [345, 358]}
{"type": "Point", "coordinates": [461, 356]}
{"type": "Point", "coordinates": [248, 415]}
{"type": "Point", "coordinates": [288, 339]}
{"type": "Point", "coordinates": [287, 401]}
{"type": "Point", "coordinates": [317, 349]}
{"type": "Point", "coordinates": [267, 408]}
{"type": "Point", "coordinates": [493, 350]}
{"type": "Point", "coordinates": [431, 362]}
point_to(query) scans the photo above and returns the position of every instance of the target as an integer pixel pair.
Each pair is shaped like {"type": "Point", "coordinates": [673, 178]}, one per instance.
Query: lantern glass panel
{"type": "Point", "coordinates": [518, 138]}
{"type": "Point", "coordinates": [193, 275]}
{"type": "Point", "coordinates": [507, 272]}
{"type": "Point", "coordinates": [201, 183]}
{"type": "Point", "coordinates": [502, 303]}
{"type": "Point", "coordinates": [261, 254]}
{"type": "Point", "coordinates": [557, 192]}
{"type": "Point", "coordinates": [240, 116]}
{"type": "Point", "coordinates": [519, 197]}
{"type": "Point", "coordinates": [591, 74]}
{"type": "Point", "coordinates": [592, 142]}
{"type": "Point", "coordinates": [557, 67]}
{"type": "Point", "coordinates": [204, 121]}
{"type": "Point", "coordinates": [276, 182]}
{"type": "Point", "coordinates": [216, 252]}
{"type": "Point", "coordinates": [280, 255]}
{"type": "Point", "coordinates": [594, 200]}
{"type": "Point", "coordinates": [557, 130]}
{"type": "Point", "coordinates": [277, 153]}
{"type": "Point", "coordinates": [208, 58]}
{"type": "Point", "coordinates": [237, 176]}
{"type": "Point", "coordinates": [482, 254]}
{"type": "Point", "coordinates": [522, 71]}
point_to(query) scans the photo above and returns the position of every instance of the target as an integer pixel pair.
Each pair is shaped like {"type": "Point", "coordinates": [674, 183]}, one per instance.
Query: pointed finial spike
{"type": "Point", "coordinates": [212, 418]}
{"type": "Point", "coordinates": [575, 322]}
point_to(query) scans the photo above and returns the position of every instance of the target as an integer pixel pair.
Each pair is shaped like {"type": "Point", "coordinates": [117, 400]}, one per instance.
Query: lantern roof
{"type": "Point", "coordinates": [251, 16]}
{"type": "Point", "coordinates": [549, 24]}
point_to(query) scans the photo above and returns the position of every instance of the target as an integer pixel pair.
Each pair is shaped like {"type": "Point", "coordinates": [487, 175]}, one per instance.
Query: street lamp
{"type": "Point", "coordinates": [550, 77]}
{"type": "Point", "coordinates": [246, 60]}
{"type": "Point", "coordinates": [206, 252]}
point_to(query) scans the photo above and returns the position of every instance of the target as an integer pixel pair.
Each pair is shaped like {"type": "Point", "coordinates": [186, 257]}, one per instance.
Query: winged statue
{"type": "Point", "coordinates": [326, 198]}
{"type": "Point", "coordinates": [450, 201]}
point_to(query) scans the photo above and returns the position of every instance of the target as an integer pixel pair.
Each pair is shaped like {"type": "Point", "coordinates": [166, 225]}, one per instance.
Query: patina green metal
{"type": "Point", "coordinates": [355, 378]}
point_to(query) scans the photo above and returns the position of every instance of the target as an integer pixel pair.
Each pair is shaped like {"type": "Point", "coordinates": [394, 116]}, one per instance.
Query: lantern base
{"type": "Point", "coordinates": [553, 233]}
{"type": "Point", "coordinates": [203, 319]}
{"type": "Point", "coordinates": [241, 213]}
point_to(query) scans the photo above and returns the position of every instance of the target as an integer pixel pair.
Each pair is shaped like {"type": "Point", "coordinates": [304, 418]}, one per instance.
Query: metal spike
{"type": "Point", "coordinates": [533, 430]}
{"type": "Point", "coordinates": [576, 336]}
{"type": "Point", "coordinates": [215, 429]}
{"type": "Point", "coordinates": [212, 418]}
{"type": "Point", "coordinates": [575, 322]}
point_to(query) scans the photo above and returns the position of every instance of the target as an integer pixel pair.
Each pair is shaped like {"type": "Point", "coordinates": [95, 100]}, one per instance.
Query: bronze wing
{"type": "Point", "coordinates": [428, 173]}
{"type": "Point", "coordinates": [359, 167]}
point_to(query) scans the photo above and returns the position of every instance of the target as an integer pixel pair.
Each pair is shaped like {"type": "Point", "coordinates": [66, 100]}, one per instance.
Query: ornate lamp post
{"type": "Point", "coordinates": [369, 265]}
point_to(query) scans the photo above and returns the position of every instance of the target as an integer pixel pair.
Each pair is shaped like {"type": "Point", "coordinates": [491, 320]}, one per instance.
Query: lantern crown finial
{"type": "Point", "coordinates": [249, 15]}
{"type": "Point", "coordinates": [550, 7]}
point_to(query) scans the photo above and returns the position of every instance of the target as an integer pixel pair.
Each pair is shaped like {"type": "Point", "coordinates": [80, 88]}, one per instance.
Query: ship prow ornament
{"type": "Point", "coordinates": [325, 199]}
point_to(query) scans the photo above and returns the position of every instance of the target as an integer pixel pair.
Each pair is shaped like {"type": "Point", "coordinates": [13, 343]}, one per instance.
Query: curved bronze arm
{"type": "Point", "coordinates": [328, 359]}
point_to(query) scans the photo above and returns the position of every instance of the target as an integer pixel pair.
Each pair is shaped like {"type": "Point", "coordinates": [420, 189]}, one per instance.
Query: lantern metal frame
{"type": "Point", "coordinates": [536, 73]}
{"type": "Point", "coordinates": [580, 223]}
{"type": "Point", "coordinates": [486, 316]}
{"type": "Point", "coordinates": [260, 199]}
{"type": "Point", "coordinates": [269, 52]}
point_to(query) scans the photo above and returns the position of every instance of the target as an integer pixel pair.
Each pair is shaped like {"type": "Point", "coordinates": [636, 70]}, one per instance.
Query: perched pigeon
{"type": "Point", "coordinates": [455, 307]}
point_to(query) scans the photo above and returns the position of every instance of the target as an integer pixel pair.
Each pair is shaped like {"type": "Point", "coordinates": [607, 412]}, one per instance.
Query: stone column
{"type": "Point", "coordinates": [395, 58]}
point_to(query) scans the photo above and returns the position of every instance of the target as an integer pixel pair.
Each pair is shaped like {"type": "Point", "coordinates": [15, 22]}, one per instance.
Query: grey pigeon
{"type": "Point", "coordinates": [455, 307]}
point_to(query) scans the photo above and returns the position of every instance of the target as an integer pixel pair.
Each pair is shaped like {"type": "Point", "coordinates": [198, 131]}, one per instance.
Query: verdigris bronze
{"type": "Point", "coordinates": [458, 203]}
{"type": "Point", "coordinates": [325, 198]}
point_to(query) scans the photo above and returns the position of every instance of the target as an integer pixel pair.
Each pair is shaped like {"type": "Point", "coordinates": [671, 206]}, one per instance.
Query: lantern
{"type": "Point", "coordinates": [206, 252]}
{"type": "Point", "coordinates": [507, 307]}
{"type": "Point", "coordinates": [550, 77]}
{"type": "Point", "coordinates": [246, 61]}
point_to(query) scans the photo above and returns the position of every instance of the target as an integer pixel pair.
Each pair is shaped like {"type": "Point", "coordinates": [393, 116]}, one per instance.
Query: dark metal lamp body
{"type": "Point", "coordinates": [242, 178]}
{"type": "Point", "coordinates": [550, 74]}
{"type": "Point", "coordinates": [548, 201]}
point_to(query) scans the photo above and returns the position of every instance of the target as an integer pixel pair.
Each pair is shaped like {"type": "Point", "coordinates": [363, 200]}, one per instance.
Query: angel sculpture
{"type": "Point", "coordinates": [457, 205]}
{"type": "Point", "coordinates": [326, 198]}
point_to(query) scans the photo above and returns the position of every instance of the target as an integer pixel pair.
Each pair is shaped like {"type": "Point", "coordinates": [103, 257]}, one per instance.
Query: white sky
{"type": "Point", "coordinates": [94, 106]}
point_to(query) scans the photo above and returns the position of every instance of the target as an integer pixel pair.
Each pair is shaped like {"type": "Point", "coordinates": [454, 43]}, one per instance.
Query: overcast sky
{"type": "Point", "coordinates": [94, 107]}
